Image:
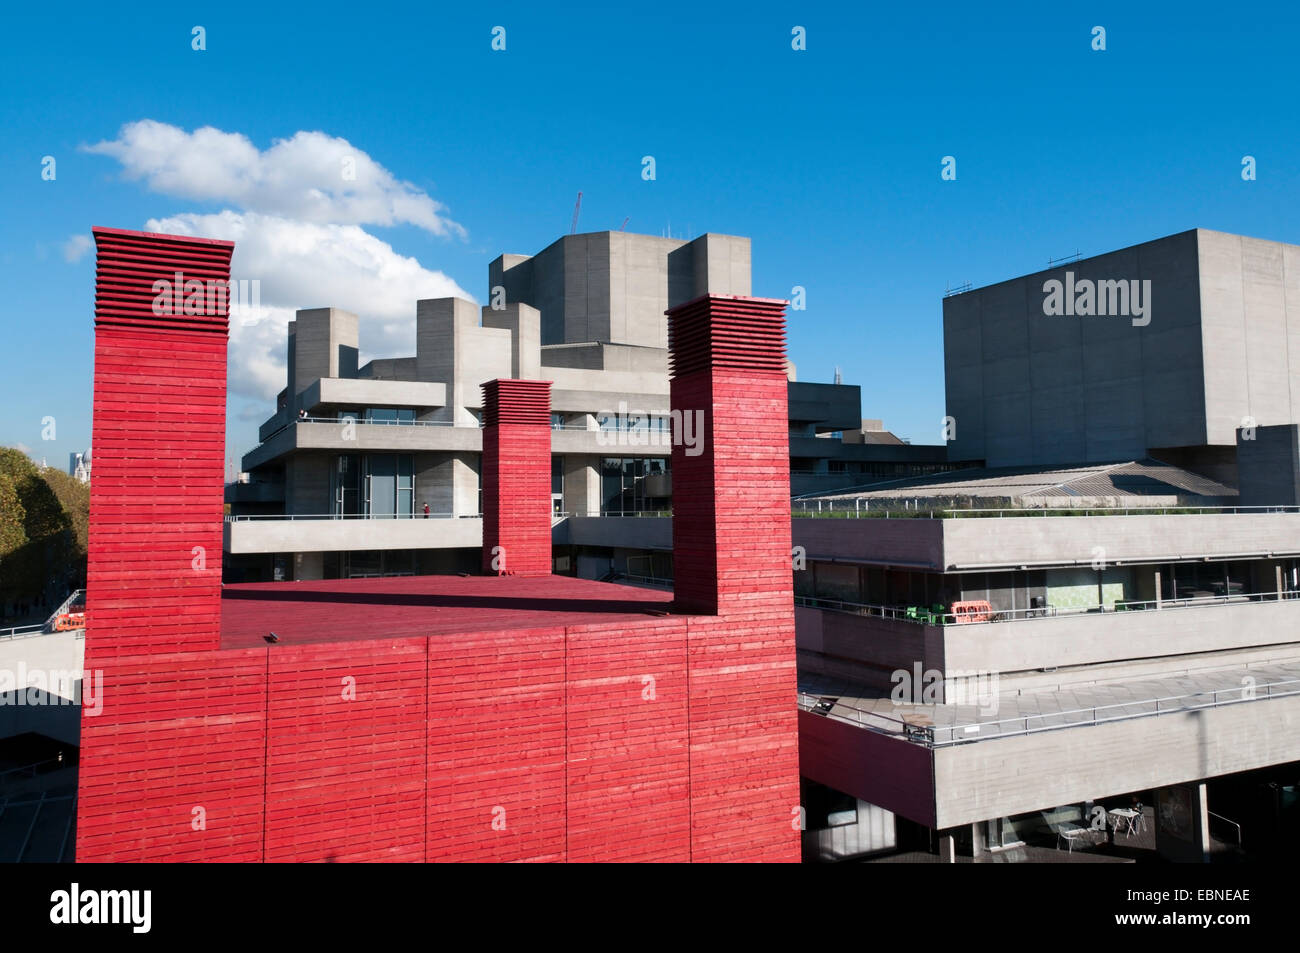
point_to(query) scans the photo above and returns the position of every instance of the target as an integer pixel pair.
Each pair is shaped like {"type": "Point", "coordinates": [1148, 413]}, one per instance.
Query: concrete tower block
{"type": "Point", "coordinates": [517, 478]}
{"type": "Point", "coordinates": [524, 322]}
{"type": "Point", "coordinates": [154, 560]}
{"type": "Point", "coordinates": [324, 344]}
{"type": "Point", "coordinates": [451, 347]}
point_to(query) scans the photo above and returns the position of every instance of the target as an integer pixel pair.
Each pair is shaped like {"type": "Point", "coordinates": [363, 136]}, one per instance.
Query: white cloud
{"type": "Point", "coordinates": [75, 248]}
{"type": "Point", "coordinates": [305, 178]}
{"type": "Point", "coordinates": [309, 265]}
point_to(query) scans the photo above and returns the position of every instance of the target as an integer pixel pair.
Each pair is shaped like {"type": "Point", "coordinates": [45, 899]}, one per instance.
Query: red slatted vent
{"type": "Point", "coordinates": [144, 279]}
{"type": "Point", "coordinates": [516, 402]}
{"type": "Point", "coordinates": [721, 331]}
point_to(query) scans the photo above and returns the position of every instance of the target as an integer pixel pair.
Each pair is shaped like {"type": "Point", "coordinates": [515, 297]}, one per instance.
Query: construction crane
{"type": "Point", "coordinates": [577, 207]}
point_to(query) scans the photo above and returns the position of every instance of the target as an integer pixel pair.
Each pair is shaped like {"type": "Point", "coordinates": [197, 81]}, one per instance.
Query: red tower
{"type": "Point", "coordinates": [732, 560]}
{"type": "Point", "coordinates": [516, 478]}
{"type": "Point", "coordinates": [161, 315]}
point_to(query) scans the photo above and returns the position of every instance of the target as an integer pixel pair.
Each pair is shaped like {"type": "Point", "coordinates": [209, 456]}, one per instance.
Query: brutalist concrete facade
{"type": "Point", "coordinates": [1217, 348]}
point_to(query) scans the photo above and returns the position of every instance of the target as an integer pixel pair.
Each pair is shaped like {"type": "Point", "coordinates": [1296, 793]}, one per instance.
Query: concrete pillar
{"type": "Point", "coordinates": [517, 478]}
{"type": "Point", "coordinates": [582, 485]}
{"type": "Point", "coordinates": [307, 566]}
{"type": "Point", "coordinates": [1183, 823]}
{"type": "Point", "coordinates": [524, 323]}
{"type": "Point", "coordinates": [1159, 595]}
{"type": "Point", "coordinates": [947, 847]}
{"type": "Point", "coordinates": [156, 500]}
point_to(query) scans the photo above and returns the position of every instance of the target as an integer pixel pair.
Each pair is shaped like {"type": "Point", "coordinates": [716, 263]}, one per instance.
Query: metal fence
{"type": "Point", "coordinates": [916, 730]}
{"type": "Point", "coordinates": [940, 616]}
{"type": "Point", "coordinates": [859, 508]}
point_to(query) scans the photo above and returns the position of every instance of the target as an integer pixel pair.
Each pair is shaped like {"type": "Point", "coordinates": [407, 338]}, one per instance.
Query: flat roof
{"type": "Point", "coordinates": [337, 610]}
{"type": "Point", "coordinates": [1128, 478]}
{"type": "Point", "coordinates": [985, 711]}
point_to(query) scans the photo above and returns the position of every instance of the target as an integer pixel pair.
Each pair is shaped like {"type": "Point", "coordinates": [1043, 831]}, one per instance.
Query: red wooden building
{"type": "Point", "coordinates": [515, 715]}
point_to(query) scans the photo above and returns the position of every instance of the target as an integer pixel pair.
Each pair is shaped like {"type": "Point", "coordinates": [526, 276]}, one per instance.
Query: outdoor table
{"type": "Point", "coordinates": [1127, 817]}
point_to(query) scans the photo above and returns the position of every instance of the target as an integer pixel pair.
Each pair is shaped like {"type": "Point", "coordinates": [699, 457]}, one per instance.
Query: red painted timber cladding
{"type": "Point", "coordinates": [176, 732]}
{"type": "Point", "coordinates": [345, 775]}
{"type": "Point", "coordinates": [154, 561]}
{"type": "Point", "coordinates": [628, 743]}
{"type": "Point", "coordinates": [557, 734]}
{"type": "Point", "coordinates": [516, 477]}
{"type": "Point", "coordinates": [496, 746]}
{"type": "Point", "coordinates": [732, 559]}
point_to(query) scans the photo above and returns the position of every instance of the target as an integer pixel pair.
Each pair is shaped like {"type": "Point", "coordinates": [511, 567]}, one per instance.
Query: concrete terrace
{"type": "Point", "coordinates": [1047, 709]}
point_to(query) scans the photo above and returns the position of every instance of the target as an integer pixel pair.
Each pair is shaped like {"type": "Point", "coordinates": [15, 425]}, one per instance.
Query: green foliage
{"type": "Point", "coordinates": [12, 516]}
{"type": "Point", "coordinates": [44, 517]}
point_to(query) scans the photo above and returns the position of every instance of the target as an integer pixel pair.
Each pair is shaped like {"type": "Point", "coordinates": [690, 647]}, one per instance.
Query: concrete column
{"type": "Point", "coordinates": [947, 847]}
{"type": "Point", "coordinates": [1183, 823]}
{"type": "Point", "coordinates": [1159, 596]}
{"type": "Point", "coordinates": [582, 484]}
{"type": "Point", "coordinates": [308, 566]}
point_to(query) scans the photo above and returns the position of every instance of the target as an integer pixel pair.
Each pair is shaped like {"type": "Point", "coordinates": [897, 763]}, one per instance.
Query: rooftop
{"type": "Point", "coordinates": [1137, 480]}
{"type": "Point", "coordinates": [337, 610]}
{"type": "Point", "coordinates": [982, 712]}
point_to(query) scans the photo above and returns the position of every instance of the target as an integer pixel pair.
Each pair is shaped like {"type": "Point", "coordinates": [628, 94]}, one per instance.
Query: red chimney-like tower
{"type": "Point", "coordinates": [516, 478]}
{"type": "Point", "coordinates": [731, 463]}
{"type": "Point", "coordinates": [156, 497]}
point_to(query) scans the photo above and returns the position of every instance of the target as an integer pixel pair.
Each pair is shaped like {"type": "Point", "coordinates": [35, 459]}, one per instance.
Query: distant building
{"type": "Point", "coordinates": [357, 456]}
{"type": "Point", "coordinates": [79, 465]}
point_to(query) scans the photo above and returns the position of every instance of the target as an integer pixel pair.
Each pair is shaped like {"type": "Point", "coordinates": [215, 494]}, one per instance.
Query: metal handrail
{"type": "Point", "coordinates": [1227, 821]}
{"type": "Point", "coordinates": [923, 615]}
{"type": "Point", "coordinates": [242, 518]}
{"type": "Point", "coordinates": [617, 513]}
{"type": "Point", "coordinates": [23, 631]}
{"type": "Point", "coordinates": [862, 509]}
{"type": "Point", "coordinates": [929, 734]}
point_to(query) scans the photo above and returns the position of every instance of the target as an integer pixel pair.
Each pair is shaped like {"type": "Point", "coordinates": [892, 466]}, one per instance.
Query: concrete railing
{"type": "Point", "coordinates": [862, 509]}
{"type": "Point", "coordinates": [965, 731]}
{"type": "Point", "coordinates": [923, 616]}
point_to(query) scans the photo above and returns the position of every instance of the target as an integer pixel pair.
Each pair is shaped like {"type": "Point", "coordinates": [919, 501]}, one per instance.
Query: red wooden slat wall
{"type": "Point", "coordinates": [516, 477]}
{"type": "Point", "coordinates": [669, 739]}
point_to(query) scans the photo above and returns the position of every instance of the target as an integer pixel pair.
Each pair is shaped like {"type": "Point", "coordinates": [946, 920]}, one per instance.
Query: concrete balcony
{"type": "Point", "coordinates": [318, 433]}
{"type": "Point", "coordinates": [325, 534]}
{"type": "Point", "coordinates": [369, 392]}
{"type": "Point", "coordinates": [971, 540]}
{"type": "Point", "coordinates": [870, 642]}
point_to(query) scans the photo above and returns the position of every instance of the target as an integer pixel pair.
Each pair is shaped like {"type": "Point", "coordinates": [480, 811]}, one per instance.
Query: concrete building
{"type": "Point", "coordinates": [355, 456]}
{"type": "Point", "coordinates": [79, 465]}
{"type": "Point", "coordinates": [1093, 641]}
{"type": "Point", "coordinates": [1164, 349]}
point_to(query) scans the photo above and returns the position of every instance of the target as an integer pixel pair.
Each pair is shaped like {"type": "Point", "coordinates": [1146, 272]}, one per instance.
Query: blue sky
{"type": "Point", "coordinates": [829, 159]}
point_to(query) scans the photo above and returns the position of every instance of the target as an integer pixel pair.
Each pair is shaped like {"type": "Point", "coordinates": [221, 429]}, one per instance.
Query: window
{"type": "Point", "coordinates": [389, 415]}
{"type": "Point", "coordinates": [374, 485]}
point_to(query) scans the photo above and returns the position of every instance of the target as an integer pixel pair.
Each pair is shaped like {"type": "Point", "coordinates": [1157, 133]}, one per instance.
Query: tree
{"type": "Point", "coordinates": [12, 515]}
